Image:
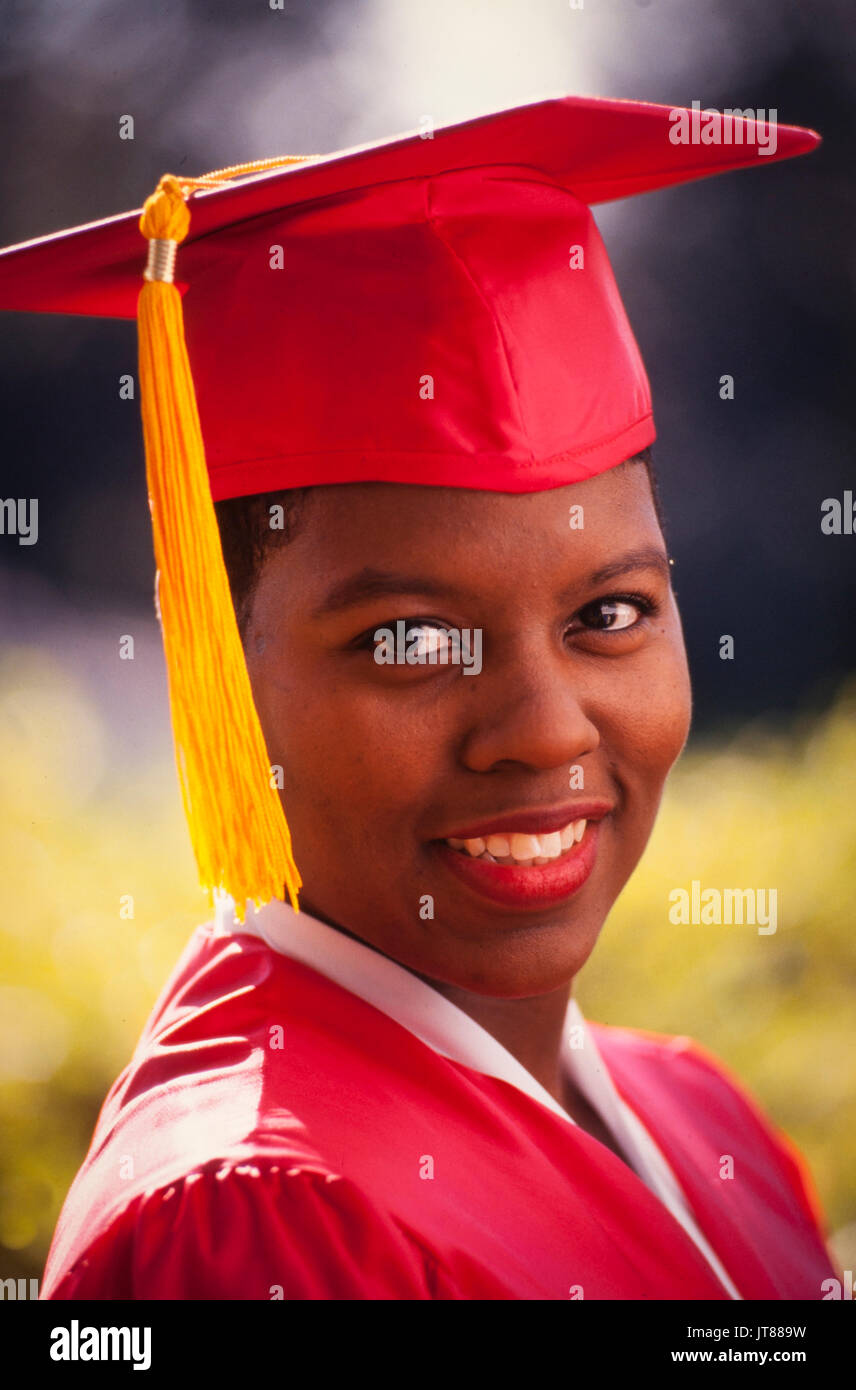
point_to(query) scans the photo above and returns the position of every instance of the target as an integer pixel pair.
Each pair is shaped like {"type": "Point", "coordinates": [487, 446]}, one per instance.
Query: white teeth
{"type": "Point", "coordinates": [524, 846]}
{"type": "Point", "coordinates": [498, 846]}
{"type": "Point", "coordinates": [521, 849]}
{"type": "Point", "coordinates": [551, 845]}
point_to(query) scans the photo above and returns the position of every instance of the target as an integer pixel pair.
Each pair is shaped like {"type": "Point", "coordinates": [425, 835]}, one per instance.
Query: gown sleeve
{"type": "Point", "coordinates": [745, 1111]}
{"type": "Point", "coordinates": [253, 1232]}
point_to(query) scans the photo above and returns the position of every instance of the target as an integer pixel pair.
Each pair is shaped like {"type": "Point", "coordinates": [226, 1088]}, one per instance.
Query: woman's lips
{"type": "Point", "coordinates": [535, 885]}
{"type": "Point", "coordinates": [535, 820]}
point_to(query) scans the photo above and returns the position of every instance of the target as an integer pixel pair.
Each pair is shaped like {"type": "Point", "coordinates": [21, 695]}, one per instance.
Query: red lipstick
{"type": "Point", "coordinates": [533, 886]}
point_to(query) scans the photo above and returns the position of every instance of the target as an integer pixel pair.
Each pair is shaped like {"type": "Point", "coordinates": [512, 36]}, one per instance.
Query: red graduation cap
{"type": "Point", "coordinates": [418, 310]}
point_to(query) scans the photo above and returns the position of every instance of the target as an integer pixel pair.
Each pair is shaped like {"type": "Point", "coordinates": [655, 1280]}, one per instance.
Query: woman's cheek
{"type": "Point", "coordinates": [676, 691]}
{"type": "Point", "coordinates": [644, 723]}
{"type": "Point", "coordinates": [363, 746]}
{"type": "Point", "coordinates": [666, 714]}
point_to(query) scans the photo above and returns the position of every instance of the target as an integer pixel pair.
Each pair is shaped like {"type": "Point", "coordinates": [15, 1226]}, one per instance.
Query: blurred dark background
{"type": "Point", "coordinates": [749, 274]}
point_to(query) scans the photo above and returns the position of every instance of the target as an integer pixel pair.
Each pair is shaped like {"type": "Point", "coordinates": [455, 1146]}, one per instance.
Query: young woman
{"type": "Point", "coordinates": [427, 429]}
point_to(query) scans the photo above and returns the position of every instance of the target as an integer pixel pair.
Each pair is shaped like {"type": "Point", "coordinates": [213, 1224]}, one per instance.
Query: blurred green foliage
{"type": "Point", "coordinates": [765, 807]}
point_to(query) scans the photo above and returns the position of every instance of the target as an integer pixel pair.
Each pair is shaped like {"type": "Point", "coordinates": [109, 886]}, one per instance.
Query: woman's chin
{"type": "Point", "coordinates": [539, 959]}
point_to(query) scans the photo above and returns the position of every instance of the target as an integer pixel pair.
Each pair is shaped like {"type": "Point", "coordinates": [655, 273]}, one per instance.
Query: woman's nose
{"type": "Point", "coordinates": [531, 712]}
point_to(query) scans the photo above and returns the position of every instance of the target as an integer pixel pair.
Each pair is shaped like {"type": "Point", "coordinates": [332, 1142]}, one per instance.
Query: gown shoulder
{"type": "Point", "coordinates": [253, 1231]}
{"type": "Point", "coordinates": [717, 1097]}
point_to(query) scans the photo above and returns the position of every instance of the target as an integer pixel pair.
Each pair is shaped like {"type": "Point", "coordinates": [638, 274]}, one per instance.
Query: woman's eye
{"type": "Point", "coordinates": [426, 639]}
{"type": "Point", "coordinates": [423, 640]}
{"type": "Point", "coordinates": [614, 614]}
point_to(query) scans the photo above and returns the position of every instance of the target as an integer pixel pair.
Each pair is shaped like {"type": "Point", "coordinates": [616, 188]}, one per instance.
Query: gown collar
{"type": "Point", "coordinates": [448, 1030]}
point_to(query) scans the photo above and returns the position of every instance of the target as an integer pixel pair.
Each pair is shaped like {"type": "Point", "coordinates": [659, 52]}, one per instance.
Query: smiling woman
{"type": "Point", "coordinates": [577, 674]}
{"type": "Point", "coordinates": [386, 1089]}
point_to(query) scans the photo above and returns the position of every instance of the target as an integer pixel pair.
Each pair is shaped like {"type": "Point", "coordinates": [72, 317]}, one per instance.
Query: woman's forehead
{"type": "Point", "coordinates": [365, 540]}
{"type": "Point", "coordinates": [403, 509]}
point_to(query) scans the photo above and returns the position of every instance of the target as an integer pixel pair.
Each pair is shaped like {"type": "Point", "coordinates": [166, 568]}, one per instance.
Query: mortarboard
{"type": "Point", "coordinates": [437, 308]}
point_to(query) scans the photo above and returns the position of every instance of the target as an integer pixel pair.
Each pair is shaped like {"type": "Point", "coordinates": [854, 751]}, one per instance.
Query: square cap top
{"type": "Point", "coordinates": [442, 310]}
{"type": "Point", "coordinates": [597, 148]}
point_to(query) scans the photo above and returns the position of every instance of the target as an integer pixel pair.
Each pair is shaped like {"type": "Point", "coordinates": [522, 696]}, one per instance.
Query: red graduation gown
{"type": "Point", "coordinates": [353, 1161]}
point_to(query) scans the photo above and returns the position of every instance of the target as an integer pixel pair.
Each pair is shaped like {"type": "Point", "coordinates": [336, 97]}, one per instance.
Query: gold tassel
{"type": "Point", "coordinates": [239, 833]}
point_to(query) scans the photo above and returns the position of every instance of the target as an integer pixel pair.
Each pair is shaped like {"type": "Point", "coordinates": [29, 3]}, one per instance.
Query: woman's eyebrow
{"type": "Point", "coordinates": [648, 557]}
{"type": "Point", "coordinates": [369, 583]}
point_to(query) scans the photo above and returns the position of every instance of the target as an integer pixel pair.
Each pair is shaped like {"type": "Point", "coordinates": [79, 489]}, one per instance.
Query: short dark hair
{"type": "Point", "coordinates": [248, 537]}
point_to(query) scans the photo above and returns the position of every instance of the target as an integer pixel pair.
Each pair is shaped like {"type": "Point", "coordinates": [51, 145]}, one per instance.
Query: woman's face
{"type": "Point", "coordinates": [580, 708]}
